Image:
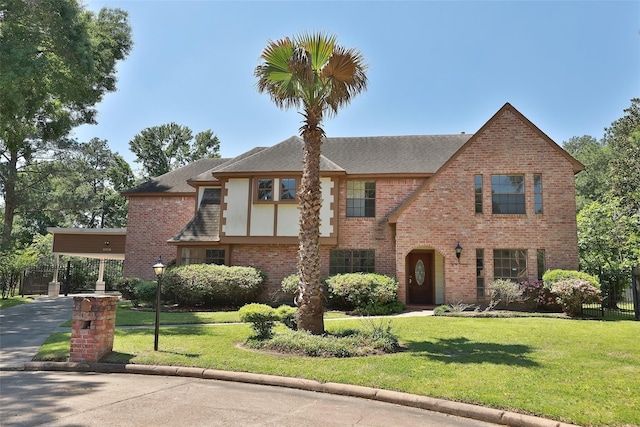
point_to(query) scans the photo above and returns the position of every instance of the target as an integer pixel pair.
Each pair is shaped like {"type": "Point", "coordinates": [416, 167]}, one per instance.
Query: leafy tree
{"type": "Point", "coordinates": [312, 73]}
{"type": "Point", "coordinates": [623, 139]}
{"type": "Point", "coordinates": [79, 186]}
{"type": "Point", "coordinates": [593, 183]}
{"type": "Point", "coordinates": [161, 149]}
{"type": "Point", "coordinates": [609, 243]}
{"type": "Point", "coordinates": [57, 60]}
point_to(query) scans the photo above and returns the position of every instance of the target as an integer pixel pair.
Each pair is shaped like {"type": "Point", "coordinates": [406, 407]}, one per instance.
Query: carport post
{"type": "Point", "coordinates": [100, 288]}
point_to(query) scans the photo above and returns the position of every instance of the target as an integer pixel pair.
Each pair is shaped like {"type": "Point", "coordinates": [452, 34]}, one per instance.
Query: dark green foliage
{"type": "Point", "coordinates": [209, 285]}
{"type": "Point", "coordinates": [361, 290]}
{"type": "Point", "coordinates": [262, 318]}
{"type": "Point", "coordinates": [137, 291]}
{"type": "Point", "coordinates": [372, 339]}
{"type": "Point", "coordinates": [553, 276]}
{"type": "Point", "coordinates": [380, 309]}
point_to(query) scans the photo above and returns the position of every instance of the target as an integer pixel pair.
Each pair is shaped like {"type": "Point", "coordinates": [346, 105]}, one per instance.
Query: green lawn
{"type": "Point", "coordinates": [125, 316]}
{"type": "Point", "coordinates": [12, 301]}
{"type": "Point", "coordinates": [583, 372]}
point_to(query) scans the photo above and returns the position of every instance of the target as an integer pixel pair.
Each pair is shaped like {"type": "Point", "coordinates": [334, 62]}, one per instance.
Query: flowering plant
{"type": "Point", "coordinates": [538, 293]}
{"type": "Point", "coordinates": [573, 293]}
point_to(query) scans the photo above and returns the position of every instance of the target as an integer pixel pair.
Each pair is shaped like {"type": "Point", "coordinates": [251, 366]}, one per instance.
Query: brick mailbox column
{"type": "Point", "coordinates": [92, 327]}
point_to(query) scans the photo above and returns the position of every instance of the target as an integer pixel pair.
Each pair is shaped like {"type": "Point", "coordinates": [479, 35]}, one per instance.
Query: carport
{"type": "Point", "coordinates": [98, 243]}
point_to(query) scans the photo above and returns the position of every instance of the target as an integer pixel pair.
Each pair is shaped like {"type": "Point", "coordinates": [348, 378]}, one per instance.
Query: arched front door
{"type": "Point", "coordinates": [420, 275]}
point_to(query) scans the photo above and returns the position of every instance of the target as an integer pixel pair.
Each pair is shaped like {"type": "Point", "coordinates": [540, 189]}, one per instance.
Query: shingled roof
{"type": "Point", "coordinates": [204, 227]}
{"type": "Point", "coordinates": [417, 154]}
{"type": "Point", "coordinates": [176, 180]}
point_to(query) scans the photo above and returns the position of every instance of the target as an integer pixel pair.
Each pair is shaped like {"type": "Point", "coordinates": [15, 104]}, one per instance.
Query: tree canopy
{"type": "Point", "coordinates": [57, 61]}
{"type": "Point", "coordinates": [161, 149]}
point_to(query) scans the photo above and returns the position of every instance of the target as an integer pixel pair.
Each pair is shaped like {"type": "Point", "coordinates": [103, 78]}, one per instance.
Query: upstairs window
{"type": "Point", "coordinates": [361, 199]}
{"type": "Point", "coordinates": [507, 194]}
{"type": "Point", "coordinates": [265, 189]}
{"type": "Point", "coordinates": [478, 191]}
{"type": "Point", "coordinates": [288, 189]}
{"type": "Point", "coordinates": [537, 192]}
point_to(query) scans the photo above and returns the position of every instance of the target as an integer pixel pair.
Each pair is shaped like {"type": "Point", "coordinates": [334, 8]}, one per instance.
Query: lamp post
{"type": "Point", "coordinates": [158, 268]}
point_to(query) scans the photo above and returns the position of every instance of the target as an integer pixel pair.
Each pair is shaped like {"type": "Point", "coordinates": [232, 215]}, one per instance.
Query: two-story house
{"type": "Point", "coordinates": [445, 214]}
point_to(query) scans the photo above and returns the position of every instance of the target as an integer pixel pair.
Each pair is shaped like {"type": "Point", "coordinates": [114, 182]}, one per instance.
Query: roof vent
{"type": "Point", "coordinates": [462, 133]}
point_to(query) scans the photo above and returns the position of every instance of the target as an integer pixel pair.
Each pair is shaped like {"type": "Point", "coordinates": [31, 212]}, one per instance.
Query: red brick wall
{"type": "Point", "coordinates": [151, 222]}
{"type": "Point", "coordinates": [375, 233]}
{"type": "Point", "coordinates": [444, 213]}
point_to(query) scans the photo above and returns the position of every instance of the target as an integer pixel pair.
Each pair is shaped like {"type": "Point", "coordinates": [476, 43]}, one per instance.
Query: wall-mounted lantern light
{"type": "Point", "coordinates": [458, 251]}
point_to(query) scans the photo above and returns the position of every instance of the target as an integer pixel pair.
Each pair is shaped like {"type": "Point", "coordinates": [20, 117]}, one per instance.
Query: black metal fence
{"type": "Point", "coordinates": [77, 275]}
{"type": "Point", "coordinates": [618, 302]}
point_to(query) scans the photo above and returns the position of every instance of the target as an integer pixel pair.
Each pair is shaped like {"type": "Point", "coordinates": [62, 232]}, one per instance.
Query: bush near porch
{"type": "Point", "coordinates": [198, 285]}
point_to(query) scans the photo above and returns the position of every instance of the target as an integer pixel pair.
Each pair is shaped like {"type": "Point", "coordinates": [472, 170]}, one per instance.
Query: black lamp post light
{"type": "Point", "coordinates": [158, 268]}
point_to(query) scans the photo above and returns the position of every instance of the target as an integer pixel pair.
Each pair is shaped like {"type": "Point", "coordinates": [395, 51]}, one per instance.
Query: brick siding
{"type": "Point", "coordinates": [444, 213]}
{"type": "Point", "coordinates": [151, 221]}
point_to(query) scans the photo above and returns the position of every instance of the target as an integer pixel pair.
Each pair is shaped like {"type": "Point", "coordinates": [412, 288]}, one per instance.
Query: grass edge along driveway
{"type": "Point", "coordinates": [582, 372]}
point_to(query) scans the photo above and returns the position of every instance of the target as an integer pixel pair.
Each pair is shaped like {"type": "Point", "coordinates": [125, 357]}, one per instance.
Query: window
{"type": "Point", "coordinates": [265, 189]}
{"type": "Point", "coordinates": [480, 273]}
{"type": "Point", "coordinates": [537, 192]}
{"type": "Point", "coordinates": [510, 264]}
{"type": "Point", "coordinates": [214, 256]}
{"type": "Point", "coordinates": [287, 189]}
{"type": "Point", "coordinates": [478, 185]}
{"type": "Point", "coordinates": [507, 193]}
{"type": "Point", "coordinates": [541, 264]}
{"type": "Point", "coordinates": [361, 199]}
{"type": "Point", "coordinates": [202, 255]}
{"type": "Point", "coordinates": [351, 261]}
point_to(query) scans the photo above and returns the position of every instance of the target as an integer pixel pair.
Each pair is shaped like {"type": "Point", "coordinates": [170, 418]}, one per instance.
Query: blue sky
{"type": "Point", "coordinates": [435, 67]}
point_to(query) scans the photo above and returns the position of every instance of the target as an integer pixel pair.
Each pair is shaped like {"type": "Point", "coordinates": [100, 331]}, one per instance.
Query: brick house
{"type": "Point", "coordinates": [445, 214]}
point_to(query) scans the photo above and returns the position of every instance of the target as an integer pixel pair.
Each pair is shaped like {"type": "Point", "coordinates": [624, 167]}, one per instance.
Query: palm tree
{"type": "Point", "coordinates": [312, 73]}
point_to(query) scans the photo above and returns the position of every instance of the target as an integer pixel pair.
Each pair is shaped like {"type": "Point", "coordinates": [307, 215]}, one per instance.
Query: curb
{"type": "Point", "coordinates": [466, 410]}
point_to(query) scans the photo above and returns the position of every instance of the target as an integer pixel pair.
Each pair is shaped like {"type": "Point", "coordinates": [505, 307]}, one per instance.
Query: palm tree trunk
{"type": "Point", "coordinates": [310, 298]}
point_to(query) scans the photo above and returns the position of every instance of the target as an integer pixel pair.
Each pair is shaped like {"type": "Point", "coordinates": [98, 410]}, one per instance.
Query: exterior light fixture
{"type": "Point", "coordinates": [458, 251]}
{"type": "Point", "coordinates": [158, 268]}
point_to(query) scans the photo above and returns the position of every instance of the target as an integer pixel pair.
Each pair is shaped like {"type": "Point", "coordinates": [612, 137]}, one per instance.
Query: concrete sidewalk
{"type": "Point", "coordinates": [24, 328]}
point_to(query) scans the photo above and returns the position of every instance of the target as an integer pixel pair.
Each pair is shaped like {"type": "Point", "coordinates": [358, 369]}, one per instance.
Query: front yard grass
{"type": "Point", "coordinates": [583, 372]}
{"type": "Point", "coordinates": [13, 301]}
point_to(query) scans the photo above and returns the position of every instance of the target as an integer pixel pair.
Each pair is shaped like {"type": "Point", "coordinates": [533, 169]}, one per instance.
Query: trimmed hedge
{"type": "Point", "coordinates": [362, 290]}
{"type": "Point", "coordinates": [210, 285]}
{"type": "Point", "coordinates": [552, 276]}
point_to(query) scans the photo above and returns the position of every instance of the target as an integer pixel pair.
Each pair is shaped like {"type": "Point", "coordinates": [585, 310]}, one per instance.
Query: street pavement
{"type": "Point", "coordinates": [77, 394]}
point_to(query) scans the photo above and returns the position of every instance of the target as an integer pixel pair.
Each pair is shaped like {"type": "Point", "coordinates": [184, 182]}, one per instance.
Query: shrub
{"type": "Point", "coordinates": [287, 315]}
{"type": "Point", "coordinates": [211, 285]}
{"type": "Point", "coordinates": [145, 292]}
{"type": "Point", "coordinates": [380, 310]}
{"type": "Point", "coordinates": [539, 293]}
{"type": "Point", "coordinates": [137, 290]}
{"type": "Point", "coordinates": [360, 290]}
{"type": "Point", "coordinates": [289, 284]}
{"type": "Point", "coordinates": [552, 276]}
{"type": "Point", "coordinates": [262, 318]}
{"type": "Point", "coordinates": [572, 293]}
{"type": "Point", "coordinates": [506, 291]}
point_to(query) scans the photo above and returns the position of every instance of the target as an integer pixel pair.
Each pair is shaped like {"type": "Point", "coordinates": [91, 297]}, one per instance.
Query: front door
{"type": "Point", "coordinates": [420, 276]}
